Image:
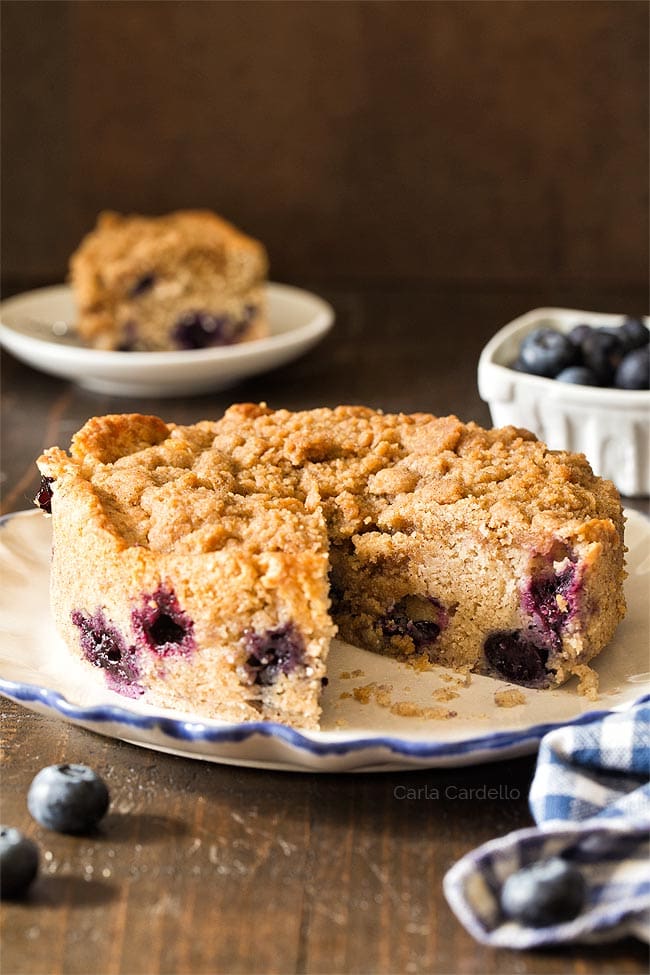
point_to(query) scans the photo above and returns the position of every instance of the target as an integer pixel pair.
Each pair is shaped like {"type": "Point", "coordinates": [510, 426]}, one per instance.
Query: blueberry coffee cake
{"type": "Point", "coordinates": [208, 566]}
{"type": "Point", "coordinates": [187, 280]}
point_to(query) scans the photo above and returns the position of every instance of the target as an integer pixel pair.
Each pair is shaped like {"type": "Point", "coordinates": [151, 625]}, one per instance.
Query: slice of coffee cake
{"type": "Point", "coordinates": [187, 280]}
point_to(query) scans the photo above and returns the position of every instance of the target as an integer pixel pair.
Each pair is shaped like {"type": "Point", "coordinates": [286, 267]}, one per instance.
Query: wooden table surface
{"type": "Point", "coordinates": [201, 868]}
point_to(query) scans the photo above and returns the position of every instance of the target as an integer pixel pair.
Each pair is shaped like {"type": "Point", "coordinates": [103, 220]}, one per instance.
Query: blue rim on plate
{"type": "Point", "coordinates": [180, 729]}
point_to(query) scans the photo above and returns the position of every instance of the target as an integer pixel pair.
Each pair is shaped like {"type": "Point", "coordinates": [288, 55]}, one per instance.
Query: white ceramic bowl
{"type": "Point", "coordinates": [610, 426]}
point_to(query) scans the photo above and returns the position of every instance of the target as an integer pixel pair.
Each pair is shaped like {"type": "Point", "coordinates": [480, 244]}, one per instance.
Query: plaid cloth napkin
{"type": "Point", "coordinates": [591, 800]}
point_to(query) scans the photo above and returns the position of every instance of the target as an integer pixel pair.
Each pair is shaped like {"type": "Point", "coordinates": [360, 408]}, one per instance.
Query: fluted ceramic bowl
{"type": "Point", "coordinates": [610, 426]}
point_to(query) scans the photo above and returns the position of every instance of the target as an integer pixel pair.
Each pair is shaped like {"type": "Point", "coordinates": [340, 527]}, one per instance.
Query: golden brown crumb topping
{"type": "Point", "coordinates": [256, 474]}
{"type": "Point", "coordinates": [120, 244]}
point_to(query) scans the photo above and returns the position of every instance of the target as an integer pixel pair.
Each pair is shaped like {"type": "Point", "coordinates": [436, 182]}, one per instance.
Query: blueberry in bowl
{"type": "Point", "coordinates": [633, 371]}
{"type": "Point", "coordinates": [579, 375]}
{"type": "Point", "coordinates": [580, 381]}
{"type": "Point", "coordinates": [588, 355]}
{"type": "Point", "coordinates": [545, 352]}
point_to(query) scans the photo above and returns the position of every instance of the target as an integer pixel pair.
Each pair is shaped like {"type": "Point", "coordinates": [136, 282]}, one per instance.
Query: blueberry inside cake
{"type": "Point", "coordinates": [207, 567]}
{"type": "Point", "coordinates": [186, 280]}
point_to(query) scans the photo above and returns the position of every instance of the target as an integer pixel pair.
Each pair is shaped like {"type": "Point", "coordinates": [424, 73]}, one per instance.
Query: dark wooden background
{"type": "Point", "coordinates": [453, 142]}
{"type": "Point", "coordinates": [433, 170]}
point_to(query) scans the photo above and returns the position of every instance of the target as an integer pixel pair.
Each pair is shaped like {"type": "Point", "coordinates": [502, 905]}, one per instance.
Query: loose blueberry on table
{"type": "Point", "coordinates": [19, 859]}
{"type": "Point", "coordinates": [68, 798]}
{"type": "Point", "coordinates": [616, 356]}
{"type": "Point", "coordinates": [545, 893]}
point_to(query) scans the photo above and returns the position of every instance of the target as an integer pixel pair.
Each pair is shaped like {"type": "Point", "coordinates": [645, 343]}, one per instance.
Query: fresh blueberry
{"type": "Point", "coordinates": [634, 333]}
{"type": "Point", "coordinates": [634, 370]}
{"type": "Point", "coordinates": [513, 656]}
{"type": "Point", "coordinates": [68, 798]}
{"type": "Point", "coordinates": [601, 352]}
{"type": "Point", "coordinates": [272, 653]}
{"type": "Point", "coordinates": [580, 375]}
{"type": "Point", "coordinates": [546, 352]}
{"type": "Point", "coordinates": [579, 333]}
{"type": "Point", "coordinates": [18, 862]}
{"type": "Point", "coordinates": [544, 893]}
{"type": "Point", "coordinates": [44, 494]}
{"type": "Point", "coordinates": [142, 285]}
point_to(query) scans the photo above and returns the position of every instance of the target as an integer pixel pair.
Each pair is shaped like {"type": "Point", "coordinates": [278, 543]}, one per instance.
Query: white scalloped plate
{"type": "Point", "coordinates": [37, 671]}
{"type": "Point", "coordinates": [38, 328]}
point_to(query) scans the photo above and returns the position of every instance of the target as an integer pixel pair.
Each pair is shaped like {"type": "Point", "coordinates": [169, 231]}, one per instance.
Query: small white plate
{"type": "Point", "coordinates": [37, 327]}
{"type": "Point", "coordinates": [37, 671]}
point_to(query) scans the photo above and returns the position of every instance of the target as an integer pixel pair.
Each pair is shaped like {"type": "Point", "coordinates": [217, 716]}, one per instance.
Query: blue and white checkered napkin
{"type": "Point", "coordinates": [591, 800]}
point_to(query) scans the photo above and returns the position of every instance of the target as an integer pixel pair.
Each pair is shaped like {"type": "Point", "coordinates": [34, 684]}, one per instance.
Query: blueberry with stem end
{"type": "Point", "coordinates": [19, 858]}
{"type": "Point", "coordinates": [68, 798]}
{"type": "Point", "coordinates": [545, 352]}
{"type": "Point", "coordinates": [544, 893]}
